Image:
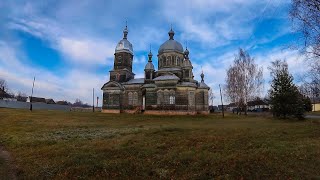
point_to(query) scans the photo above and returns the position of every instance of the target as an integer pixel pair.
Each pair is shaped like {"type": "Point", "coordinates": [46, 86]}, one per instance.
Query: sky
{"type": "Point", "coordinates": [68, 45]}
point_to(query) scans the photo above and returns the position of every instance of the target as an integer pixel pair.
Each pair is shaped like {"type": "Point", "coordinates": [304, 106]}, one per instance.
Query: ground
{"type": "Point", "coordinates": [64, 145]}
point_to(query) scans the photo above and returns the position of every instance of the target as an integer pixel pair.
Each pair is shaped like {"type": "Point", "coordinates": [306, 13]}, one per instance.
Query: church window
{"type": "Point", "coordinates": [186, 74]}
{"type": "Point", "coordinates": [160, 97]}
{"type": "Point", "coordinates": [166, 97]}
{"type": "Point", "coordinates": [206, 98]}
{"type": "Point", "coordinates": [172, 100]}
{"type": "Point", "coordinates": [147, 75]}
{"type": "Point", "coordinates": [191, 98]}
{"type": "Point", "coordinates": [119, 59]}
{"type": "Point", "coordinates": [130, 98]}
{"type": "Point", "coordinates": [111, 99]}
{"type": "Point", "coordinates": [135, 99]}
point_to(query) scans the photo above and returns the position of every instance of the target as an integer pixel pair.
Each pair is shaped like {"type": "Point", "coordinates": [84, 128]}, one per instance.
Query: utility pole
{"type": "Point", "coordinates": [221, 102]}
{"type": "Point", "coordinates": [93, 100]}
{"type": "Point", "coordinates": [34, 79]}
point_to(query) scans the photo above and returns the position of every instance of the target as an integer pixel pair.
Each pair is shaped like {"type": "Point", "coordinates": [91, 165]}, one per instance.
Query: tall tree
{"type": "Point", "coordinates": [285, 99]}
{"type": "Point", "coordinates": [306, 17]}
{"type": "Point", "coordinates": [244, 80]}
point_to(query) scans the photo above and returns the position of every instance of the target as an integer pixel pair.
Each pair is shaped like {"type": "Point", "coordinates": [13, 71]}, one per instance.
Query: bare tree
{"type": "Point", "coordinates": [4, 85]}
{"type": "Point", "coordinates": [211, 96]}
{"type": "Point", "coordinates": [244, 80]}
{"type": "Point", "coordinates": [21, 97]}
{"type": "Point", "coordinates": [306, 16]}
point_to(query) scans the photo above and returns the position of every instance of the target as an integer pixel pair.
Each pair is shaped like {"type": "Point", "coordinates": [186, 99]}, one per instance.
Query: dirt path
{"type": "Point", "coordinates": [7, 167]}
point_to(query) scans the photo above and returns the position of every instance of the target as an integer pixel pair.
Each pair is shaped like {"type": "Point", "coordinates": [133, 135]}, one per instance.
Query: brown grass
{"type": "Point", "coordinates": [60, 145]}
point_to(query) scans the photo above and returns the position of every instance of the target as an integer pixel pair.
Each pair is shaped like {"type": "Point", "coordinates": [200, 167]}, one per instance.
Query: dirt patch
{"type": "Point", "coordinates": [7, 167]}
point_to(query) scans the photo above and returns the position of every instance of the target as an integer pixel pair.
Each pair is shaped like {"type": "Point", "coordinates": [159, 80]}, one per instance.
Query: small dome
{"type": "Point", "coordinates": [124, 46]}
{"type": "Point", "coordinates": [149, 66]}
{"type": "Point", "coordinates": [186, 52]}
{"type": "Point", "coordinates": [187, 63]}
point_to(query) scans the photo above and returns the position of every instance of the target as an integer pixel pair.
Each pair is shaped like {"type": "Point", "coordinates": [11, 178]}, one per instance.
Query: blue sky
{"type": "Point", "coordinates": [69, 45]}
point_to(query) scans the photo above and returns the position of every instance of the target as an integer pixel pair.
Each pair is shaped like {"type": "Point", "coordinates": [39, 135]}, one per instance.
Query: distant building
{"type": "Point", "coordinates": [62, 103]}
{"type": "Point", "coordinates": [50, 101]}
{"type": "Point", "coordinates": [316, 104]}
{"type": "Point", "coordinates": [22, 99]}
{"type": "Point", "coordinates": [37, 99]}
{"type": "Point", "coordinates": [258, 105]}
{"type": "Point", "coordinates": [170, 89]}
{"type": "Point", "coordinates": [220, 107]}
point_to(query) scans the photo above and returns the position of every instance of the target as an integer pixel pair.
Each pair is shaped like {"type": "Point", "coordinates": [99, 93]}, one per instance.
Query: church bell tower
{"type": "Point", "coordinates": [123, 58]}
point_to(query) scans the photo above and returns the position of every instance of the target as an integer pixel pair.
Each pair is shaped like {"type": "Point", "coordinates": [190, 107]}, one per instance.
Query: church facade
{"type": "Point", "coordinates": [169, 90]}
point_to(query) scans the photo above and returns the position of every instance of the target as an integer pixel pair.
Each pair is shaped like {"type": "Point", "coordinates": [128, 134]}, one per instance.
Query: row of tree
{"type": "Point", "coordinates": [244, 78]}
{"type": "Point", "coordinates": [244, 83]}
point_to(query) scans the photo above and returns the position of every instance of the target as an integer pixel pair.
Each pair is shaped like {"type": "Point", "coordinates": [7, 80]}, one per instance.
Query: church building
{"type": "Point", "coordinates": [169, 90]}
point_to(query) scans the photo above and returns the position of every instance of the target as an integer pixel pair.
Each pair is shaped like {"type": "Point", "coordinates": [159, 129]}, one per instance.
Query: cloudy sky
{"type": "Point", "coordinates": [68, 45]}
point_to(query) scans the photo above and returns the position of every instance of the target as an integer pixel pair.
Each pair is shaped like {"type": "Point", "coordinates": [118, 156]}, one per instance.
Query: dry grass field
{"type": "Point", "coordinates": [79, 145]}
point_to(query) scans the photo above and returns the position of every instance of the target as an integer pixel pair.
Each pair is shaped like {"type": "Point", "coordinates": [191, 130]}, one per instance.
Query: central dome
{"type": "Point", "coordinates": [171, 45]}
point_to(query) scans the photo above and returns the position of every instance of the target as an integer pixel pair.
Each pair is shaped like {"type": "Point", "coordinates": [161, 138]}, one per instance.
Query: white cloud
{"type": "Point", "coordinates": [86, 51]}
{"type": "Point", "coordinates": [77, 48]}
{"type": "Point", "coordinates": [74, 84]}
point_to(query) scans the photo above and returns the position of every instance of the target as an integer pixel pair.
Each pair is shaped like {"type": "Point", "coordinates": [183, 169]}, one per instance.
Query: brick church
{"type": "Point", "coordinates": [169, 90]}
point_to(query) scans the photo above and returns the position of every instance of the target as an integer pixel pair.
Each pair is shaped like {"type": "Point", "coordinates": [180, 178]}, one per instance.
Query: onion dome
{"type": "Point", "coordinates": [171, 45]}
{"type": "Point", "coordinates": [203, 85]}
{"type": "Point", "coordinates": [187, 62]}
{"type": "Point", "coordinates": [186, 53]}
{"type": "Point", "coordinates": [124, 45]}
{"type": "Point", "coordinates": [149, 65]}
{"type": "Point", "coordinates": [202, 77]}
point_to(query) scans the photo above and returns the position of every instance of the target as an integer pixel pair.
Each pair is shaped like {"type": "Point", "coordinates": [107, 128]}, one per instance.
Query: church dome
{"type": "Point", "coordinates": [149, 66]}
{"type": "Point", "coordinates": [187, 63]}
{"type": "Point", "coordinates": [171, 45]}
{"type": "Point", "coordinates": [124, 45]}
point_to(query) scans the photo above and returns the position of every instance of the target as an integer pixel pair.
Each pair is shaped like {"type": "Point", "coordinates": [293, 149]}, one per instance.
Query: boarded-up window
{"type": "Point", "coordinates": [130, 98]}
{"type": "Point", "coordinates": [186, 74]}
{"type": "Point", "coordinates": [191, 98]}
{"type": "Point", "coordinates": [159, 97]}
{"type": "Point", "coordinates": [135, 98]}
{"type": "Point", "coordinates": [147, 75]}
{"type": "Point", "coordinates": [166, 97]}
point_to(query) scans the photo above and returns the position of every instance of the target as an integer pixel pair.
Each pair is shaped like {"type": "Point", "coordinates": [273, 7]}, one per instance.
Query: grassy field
{"type": "Point", "coordinates": [61, 145]}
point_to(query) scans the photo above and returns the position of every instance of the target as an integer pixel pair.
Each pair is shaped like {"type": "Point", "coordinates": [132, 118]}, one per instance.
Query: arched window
{"type": "Point", "coordinates": [172, 100]}
{"type": "Point", "coordinates": [130, 98]}
{"type": "Point", "coordinates": [186, 74]}
{"type": "Point", "coordinates": [135, 99]}
{"type": "Point", "coordinates": [159, 97]}
{"type": "Point", "coordinates": [166, 97]}
{"type": "Point", "coordinates": [148, 75]}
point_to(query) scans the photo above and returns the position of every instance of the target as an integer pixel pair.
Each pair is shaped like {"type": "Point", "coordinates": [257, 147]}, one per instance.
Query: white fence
{"type": "Point", "coordinates": [26, 105]}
